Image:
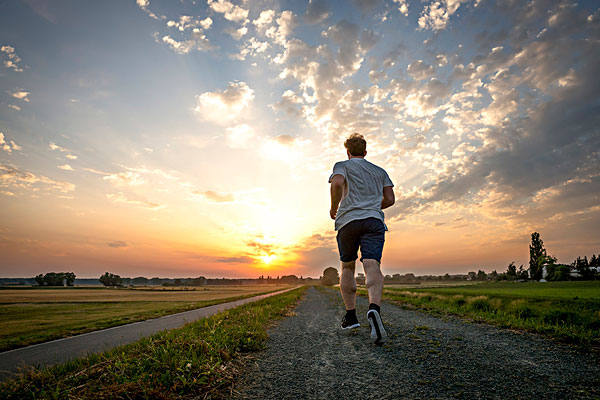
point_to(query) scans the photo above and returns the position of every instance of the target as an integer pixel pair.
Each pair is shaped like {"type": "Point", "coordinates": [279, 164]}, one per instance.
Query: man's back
{"type": "Point", "coordinates": [363, 190]}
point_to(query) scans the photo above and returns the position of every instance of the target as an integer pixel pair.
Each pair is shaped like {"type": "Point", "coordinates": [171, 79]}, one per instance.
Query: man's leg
{"type": "Point", "coordinates": [374, 280]}
{"type": "Point", "coordinates": [348, 284]}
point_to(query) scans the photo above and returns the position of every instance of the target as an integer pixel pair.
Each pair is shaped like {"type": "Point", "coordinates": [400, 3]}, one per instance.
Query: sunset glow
{"type": "Point", "coordinates": [180, 139]}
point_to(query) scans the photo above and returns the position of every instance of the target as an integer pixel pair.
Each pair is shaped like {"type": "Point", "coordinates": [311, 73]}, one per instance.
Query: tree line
{"type": "Point", "coordinates": [55, 279]}
{"type": "Point", "coordinates": [541, 266]}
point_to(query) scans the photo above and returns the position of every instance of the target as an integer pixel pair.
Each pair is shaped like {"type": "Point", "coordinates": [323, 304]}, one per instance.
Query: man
{"type": "Point", "coordinates": [359, 191]}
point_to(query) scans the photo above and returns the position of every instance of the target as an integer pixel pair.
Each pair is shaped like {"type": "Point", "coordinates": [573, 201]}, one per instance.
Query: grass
{"type": "Point", "coordinates": [38, 315]}
{"type": "Point", "coordinates": [566, 311]}
{"type": "Point", "coordinates": [197, 360]}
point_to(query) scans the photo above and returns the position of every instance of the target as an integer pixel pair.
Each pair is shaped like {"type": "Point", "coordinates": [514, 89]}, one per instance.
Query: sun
{"type": "Point", "coordinates": [267, 259]}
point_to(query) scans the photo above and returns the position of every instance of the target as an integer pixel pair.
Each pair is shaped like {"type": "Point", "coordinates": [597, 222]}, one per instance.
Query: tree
{"type": "Point", "coordinates": [69, 278]}
{"type": "Point", "coordinates": [330, 276]}
{"type": "Point", "coordinates": [511, 271]}
{"type": "Point", "coordinates": [594, 262]}
{"type": "Point", "coordinates": [109, 279]}
{"type": "Point", "coordinates": [522, 273]}
{"type": "Point", "coordinates": [39, 279]}
{"type": "Point", "coordinates": [558, 272]}
{"type": "Point", "coordinates": [481, 275]}
{"type": "Point", "coordinates": [472, 276]}
{"type": "Point", "coordinates": [536, 250]}
{"type": "Point", "coordinates": [494, 275]}
{"type": "Point", "coordinates": [583, 267]}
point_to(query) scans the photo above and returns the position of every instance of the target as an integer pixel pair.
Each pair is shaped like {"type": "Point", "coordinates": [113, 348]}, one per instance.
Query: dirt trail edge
{"type": "Point", "coordinates": [62, 350]}
{"type": "Point", "coordinates": [310, 357]}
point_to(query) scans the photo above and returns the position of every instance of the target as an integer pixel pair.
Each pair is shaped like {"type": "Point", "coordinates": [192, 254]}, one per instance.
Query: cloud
{"type": "Point", "coordinates": [237, 34]}
{"type": "Point", "coordinates": [198, 41]}
{"type": "Point", "coordinates": [13, 58]}
{"type": "Point", "coordinates": [402, 6]}
{"type": "Point", "coordinates": [71, 156]}
{"type": "Point", "coordinates": [316, 11]}
{"type": "Point", "coordinates": [14, 107]}
{"type": "Point", "coordinates": [121, 198]}
{"type": "Point", "coordinates": [238, 136]}
{"type": "Point", "coordinates": [222, 107]}
{"type": "Point", "coordinates": [13, 177]}
{"type": "Point", "coordinates": [144, 5]}
{"type": "Point", "coordinates": [66, 167]}
{"type": "Point", "coordinates": [10, 146]}
{"type": "Point", "coordinates": [437, 14]}
{"type": "Point", "coordinates": [230, 11]}
{"type": "Point", "coordinates": [188, 22]}
{"type": "Point", "coordinates": [264, 19]}
{"type": "Point", "coordinates": [215, 197]}
{"type": "Point", "coordinates": [235, 260]}
{"type": "Point", "coordinates": [21, 95]}
{"type": "Point", "coordinates": [419, 70]}
{"type": "Point", "coordinates": [128, 178]}
{"type": "Point", "coordinates": [117, 243]}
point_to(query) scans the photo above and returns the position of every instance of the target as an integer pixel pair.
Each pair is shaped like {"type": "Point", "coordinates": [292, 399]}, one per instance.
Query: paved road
{"type": "Point", "coordinates": [309, 357]}
{"type": "Point", "coordinates": [61, 350]}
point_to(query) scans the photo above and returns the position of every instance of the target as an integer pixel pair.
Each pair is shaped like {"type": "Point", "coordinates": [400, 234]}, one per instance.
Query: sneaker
{"type": "Point", "coordinates": [350, 322]}
{"type": "Point", "coordinates": [378, 333]}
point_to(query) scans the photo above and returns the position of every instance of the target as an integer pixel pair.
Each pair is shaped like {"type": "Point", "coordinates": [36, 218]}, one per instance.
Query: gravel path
{"type": "Point", "coordinates": [310, 357]}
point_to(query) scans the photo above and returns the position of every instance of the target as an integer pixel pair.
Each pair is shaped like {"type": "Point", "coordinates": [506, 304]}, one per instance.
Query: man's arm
{"type": "Point", "coordinates": [337, 189]}
{"type": "Point", "coordinates": [388, 197]}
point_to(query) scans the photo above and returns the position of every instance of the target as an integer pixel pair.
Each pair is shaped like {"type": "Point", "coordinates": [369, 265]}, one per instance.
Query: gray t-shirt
{"type": "Point", "coordinates": [363, 190]}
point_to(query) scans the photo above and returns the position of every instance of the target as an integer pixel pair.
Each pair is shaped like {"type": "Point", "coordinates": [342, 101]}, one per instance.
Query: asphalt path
{"type": "Point", "coordinates": [62, 350]}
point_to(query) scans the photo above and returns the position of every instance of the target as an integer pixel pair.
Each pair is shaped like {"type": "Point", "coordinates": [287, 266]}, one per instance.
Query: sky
{"type": "Point", "coordinates": [187, 138]}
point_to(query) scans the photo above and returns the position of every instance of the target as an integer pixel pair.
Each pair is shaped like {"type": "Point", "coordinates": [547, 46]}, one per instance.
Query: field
{"type": "Point", "coordinates": [567, 311]}
{"type": "Point", "coordinates": [194, 360]}
{"type": "Point", "coordinates": [31, 315]}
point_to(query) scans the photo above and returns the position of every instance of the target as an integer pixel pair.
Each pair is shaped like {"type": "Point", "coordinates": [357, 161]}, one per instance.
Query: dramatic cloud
{"type": "Point", "coordinates": [222, 107]}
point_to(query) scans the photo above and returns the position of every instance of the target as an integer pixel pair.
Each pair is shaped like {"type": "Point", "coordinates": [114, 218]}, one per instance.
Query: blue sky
{"type": "Point", "coordinates": [186, 138]}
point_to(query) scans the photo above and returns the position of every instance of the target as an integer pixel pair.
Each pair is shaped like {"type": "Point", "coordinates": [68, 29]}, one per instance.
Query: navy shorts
{"type": "Point", "coordinates": [368, 234]}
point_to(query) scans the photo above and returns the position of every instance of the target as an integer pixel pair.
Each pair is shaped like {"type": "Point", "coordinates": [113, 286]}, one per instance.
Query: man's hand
{"type": "Point", "coordinates": [337, 189]}
{"type": "Point", "coordinates": [388, 197]}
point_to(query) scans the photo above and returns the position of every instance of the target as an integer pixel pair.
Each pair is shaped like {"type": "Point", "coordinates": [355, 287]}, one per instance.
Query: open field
{"type": "Point", "coordinates": [191, 360]}
{"type": "Point", "coordinates": [31, 316]}
{"type": "Point", "coordinates": [568, 311]}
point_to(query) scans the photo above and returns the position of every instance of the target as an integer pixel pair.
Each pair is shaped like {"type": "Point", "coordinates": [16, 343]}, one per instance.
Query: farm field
{"type": "Point", "coordinates": [567, 311]}
{"type": "Point", "coordinates": [30, 316]}
{"type": "Point", "coordinates": [186, 362]}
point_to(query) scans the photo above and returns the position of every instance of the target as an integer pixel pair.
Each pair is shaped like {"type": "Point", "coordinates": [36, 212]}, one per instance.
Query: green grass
{"type": "Point", "coordinates": [566, 311]}
{"type": "Point", "coordinates": [197, 360]}
{"type": "Point", "coordinates": [546, 290]}
{"type": "Point", "coordinates": [28, 323]}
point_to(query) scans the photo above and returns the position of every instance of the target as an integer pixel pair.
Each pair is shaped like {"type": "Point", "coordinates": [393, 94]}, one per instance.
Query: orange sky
{"type": "Point", "coordinates": [197, 139]}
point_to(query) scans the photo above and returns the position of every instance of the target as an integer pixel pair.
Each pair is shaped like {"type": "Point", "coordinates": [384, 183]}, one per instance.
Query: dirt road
{"type": "Point", "coordinates": [310, 357]}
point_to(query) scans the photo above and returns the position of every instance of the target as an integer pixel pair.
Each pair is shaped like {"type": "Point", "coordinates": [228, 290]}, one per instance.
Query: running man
{"type": "Point", "coordinates": [359, 191]}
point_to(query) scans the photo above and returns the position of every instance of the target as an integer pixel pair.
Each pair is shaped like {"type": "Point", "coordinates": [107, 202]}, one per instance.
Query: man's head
{"type": "Point", "coordinates": [356, 145]}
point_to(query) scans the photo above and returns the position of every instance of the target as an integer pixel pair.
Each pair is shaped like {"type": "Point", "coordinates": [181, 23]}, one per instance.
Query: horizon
{"type": "Point", "coordinates": [195, 138]}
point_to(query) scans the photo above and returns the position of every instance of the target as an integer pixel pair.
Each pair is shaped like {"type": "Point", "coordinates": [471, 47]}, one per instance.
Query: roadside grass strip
{"type": "Point", "coordinates": [31, 323]}
{"type": "Point", "coordinates": [197, 360]}
{"type": "Point", "coordinates": [548, 310]}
